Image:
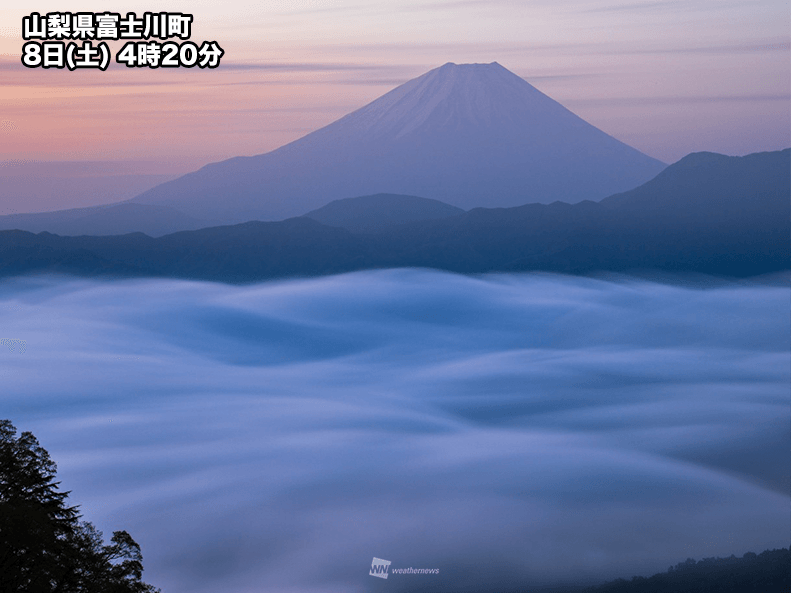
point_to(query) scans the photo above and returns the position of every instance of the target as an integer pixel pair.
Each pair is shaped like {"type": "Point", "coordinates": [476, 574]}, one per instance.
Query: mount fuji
{"type": "Point", "coordinates": [469, 135]}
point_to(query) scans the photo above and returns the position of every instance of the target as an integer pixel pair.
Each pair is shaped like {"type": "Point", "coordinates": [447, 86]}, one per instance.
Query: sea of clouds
{"type": "Point", "coordinates": [510, 430]}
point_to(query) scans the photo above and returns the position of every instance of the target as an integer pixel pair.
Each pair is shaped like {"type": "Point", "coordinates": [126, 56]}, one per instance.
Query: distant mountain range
{"type": "Point", "coordinates": [708, 213]}
{"type": "Point", "coordinates": [469, 135]}
{"type": "Point", "coordinates": [113, 219]}
{"type": "Point", "coordinates": [363, 214]}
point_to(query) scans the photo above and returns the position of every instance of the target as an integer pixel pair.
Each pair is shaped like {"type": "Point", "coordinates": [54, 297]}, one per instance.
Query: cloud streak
{"type": "Point", "coordinates": [756, 98]}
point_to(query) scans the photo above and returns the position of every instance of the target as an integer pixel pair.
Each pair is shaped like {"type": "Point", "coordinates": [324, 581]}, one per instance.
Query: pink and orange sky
{"type": "Point", "coordinates": [667, 77]}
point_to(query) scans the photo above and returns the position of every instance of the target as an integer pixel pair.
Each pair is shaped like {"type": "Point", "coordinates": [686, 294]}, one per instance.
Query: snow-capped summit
{"type": "Point", "coordinates": [477, 94]}
{"type": "Point", "coordinates": [469, 135]}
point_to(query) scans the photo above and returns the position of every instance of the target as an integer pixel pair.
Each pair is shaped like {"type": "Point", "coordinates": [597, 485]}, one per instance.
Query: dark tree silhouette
{"type": "Point", "coordinates": [767, 572]}
{"type": "Point", "coordinates": [44, 546]}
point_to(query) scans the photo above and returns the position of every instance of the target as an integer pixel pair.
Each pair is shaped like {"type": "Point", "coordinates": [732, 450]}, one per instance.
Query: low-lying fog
{"type": "Point", "coordinates": [511, 430]}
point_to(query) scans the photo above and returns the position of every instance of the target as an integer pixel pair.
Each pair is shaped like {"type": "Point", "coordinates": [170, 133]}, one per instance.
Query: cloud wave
{"type": "Point", "coordinates": [513, 431]}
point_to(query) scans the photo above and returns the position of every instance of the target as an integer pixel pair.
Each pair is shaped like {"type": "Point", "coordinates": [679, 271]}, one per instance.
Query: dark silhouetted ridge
{"type": "Point", "coordinates": [767, 572]}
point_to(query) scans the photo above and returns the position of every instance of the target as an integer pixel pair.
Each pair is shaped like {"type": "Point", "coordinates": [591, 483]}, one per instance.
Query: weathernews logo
{"type": "Point", "coordinates": [379, 569]}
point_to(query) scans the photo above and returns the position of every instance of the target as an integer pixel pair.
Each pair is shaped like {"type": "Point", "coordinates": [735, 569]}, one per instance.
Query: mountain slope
{"type": "Point", "coordinates": [704, 184]}
{"type": "Point", "coordinates": [468, 135]}
{"type": "Point", "coordinates": [371, 214]}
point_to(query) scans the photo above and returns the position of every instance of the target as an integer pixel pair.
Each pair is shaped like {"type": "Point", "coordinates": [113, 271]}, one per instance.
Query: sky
{"type": "Point", "coordinates": [667, 77]}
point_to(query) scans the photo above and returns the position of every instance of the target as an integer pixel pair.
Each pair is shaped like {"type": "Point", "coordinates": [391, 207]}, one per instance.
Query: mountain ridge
{"type": "Point", "coordinates": [588, 237]}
